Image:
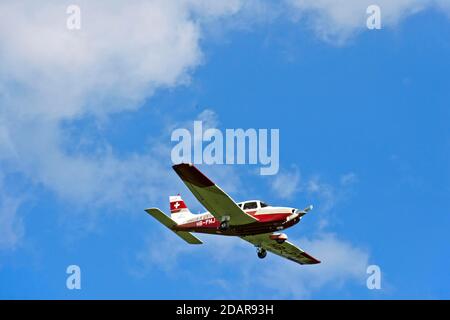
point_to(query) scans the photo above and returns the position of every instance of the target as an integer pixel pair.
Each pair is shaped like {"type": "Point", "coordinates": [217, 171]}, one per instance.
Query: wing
{"type": "Point", "coordinates": [217, 202]}
{"type": "Point", "coordinates": [286, 249]}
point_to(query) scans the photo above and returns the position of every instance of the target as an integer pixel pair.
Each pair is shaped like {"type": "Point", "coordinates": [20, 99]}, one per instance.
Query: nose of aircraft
{"type": "Point", "coordinates": [304, 211]}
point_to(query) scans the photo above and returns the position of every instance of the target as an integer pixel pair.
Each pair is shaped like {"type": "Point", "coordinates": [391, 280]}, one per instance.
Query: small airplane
{"type": "Point", "coordinates": [253, 220]}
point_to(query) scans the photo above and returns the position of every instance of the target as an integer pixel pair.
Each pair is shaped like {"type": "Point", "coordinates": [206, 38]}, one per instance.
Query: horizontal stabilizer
{"type": "Point", "coordinates": [169, 223]}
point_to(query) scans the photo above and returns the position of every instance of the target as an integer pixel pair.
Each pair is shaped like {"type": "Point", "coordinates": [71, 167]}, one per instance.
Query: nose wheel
{"type": "Point", "coordinates": [262, 253]}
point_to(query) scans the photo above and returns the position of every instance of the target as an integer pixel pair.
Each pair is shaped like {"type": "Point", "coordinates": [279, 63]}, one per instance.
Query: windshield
{"type": "Point", "coordinates": [250, 205]}
{"type": "Point", "coordinates": [264, 205]}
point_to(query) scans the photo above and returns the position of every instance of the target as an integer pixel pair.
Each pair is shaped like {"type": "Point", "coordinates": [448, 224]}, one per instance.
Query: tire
{"type": "Point", "coordinates": [280, 241]}
{"type": "Point", "coordinates": [224, 226]}
{"type": "Point", "coordinates": [262, 253]}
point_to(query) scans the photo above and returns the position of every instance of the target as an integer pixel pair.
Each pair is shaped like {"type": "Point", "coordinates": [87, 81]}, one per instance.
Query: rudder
{"type": "Point", "coordinates": [178, 209]}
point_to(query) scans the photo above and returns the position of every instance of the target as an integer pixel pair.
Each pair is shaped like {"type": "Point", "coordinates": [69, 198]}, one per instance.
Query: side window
{"type": "Point", "coordinates": [239, 205]}
{"type": "Point", "coordinates": [250, 205]}
{"type": "Point", "coordinates": [263, 205]}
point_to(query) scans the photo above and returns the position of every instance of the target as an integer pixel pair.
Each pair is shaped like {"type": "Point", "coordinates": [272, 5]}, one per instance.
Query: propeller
{"type": "Point", "coordinates": [304, 211]}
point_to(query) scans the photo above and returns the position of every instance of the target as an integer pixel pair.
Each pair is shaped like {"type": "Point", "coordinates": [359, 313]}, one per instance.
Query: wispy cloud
{"type": "Point", "coordinates": [324, 192]}
{"type": "Point", "coordinates": [286, 183]}
{"type": "Point", "coordinates": [348, 179]}
{"type": "Point", "coordinates": [342, 264]}
{"type": "Point", "coordinates": [161, 252]}
{"type": "Point", "coordinates": [11, 227]}
{"type": "Point", "coordinates": [337, 20]}
{"type": "Point", "coordinates": [290, 183]}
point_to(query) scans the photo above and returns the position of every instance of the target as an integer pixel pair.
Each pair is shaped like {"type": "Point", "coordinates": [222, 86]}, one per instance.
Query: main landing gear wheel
{"type": "Point", "coordinates": [281, 241]}
{"type": "Point", "coordinates": [224, 226]}
{"type": "Point", "coordinates": [262, 253]}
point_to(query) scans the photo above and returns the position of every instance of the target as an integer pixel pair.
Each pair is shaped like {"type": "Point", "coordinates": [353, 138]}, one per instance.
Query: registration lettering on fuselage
{"type": "Point", "coordinates": [206, 222]}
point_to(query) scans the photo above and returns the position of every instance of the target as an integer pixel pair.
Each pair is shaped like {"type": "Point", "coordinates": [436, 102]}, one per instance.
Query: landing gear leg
{"type": "Point", "coordinates": [262, 253]}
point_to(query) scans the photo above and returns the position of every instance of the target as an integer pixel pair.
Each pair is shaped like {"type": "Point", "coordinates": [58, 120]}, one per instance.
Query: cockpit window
{"type": "Point", "coordinates": [250, 205]}
{"type": "Point", "coordinates": [264, 205]}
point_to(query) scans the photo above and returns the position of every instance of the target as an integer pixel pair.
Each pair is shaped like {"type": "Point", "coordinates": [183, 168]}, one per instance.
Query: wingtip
{"type": "Point", "coordinates": [189, 173]}
{"type": "Point", "coordinates": [313, 260]}
{"type": "Point", "coordinates": [182, 164]}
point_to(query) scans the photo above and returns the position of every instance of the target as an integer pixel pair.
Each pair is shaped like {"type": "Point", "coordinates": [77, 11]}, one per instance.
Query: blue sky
{"type": "Point", "coordinates": [85, 127]}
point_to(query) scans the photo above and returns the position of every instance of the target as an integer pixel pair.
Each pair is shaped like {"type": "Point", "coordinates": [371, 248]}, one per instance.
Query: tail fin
{"type": "Point", "coordinates": [178, 209]}
{"type": "Point", "coordinates": [169, 223]}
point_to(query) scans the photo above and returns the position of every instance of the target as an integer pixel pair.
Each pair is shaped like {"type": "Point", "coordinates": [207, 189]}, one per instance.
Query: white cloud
{"type": "Point", "coordinates": [51, 75]}
{"type": "Point", "coordinates": [120, 55]}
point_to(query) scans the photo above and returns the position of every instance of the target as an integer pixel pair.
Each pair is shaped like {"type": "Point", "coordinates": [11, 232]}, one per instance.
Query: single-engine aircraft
{"type": "Point", "coordinates": [253, 220]}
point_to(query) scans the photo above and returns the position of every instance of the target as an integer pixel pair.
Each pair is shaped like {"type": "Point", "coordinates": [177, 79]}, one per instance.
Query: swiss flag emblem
{"type": "Point", "coordinates": [176, 206]}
